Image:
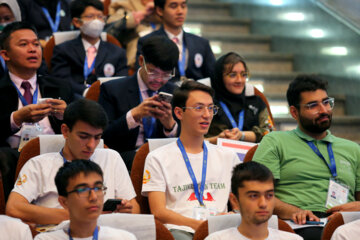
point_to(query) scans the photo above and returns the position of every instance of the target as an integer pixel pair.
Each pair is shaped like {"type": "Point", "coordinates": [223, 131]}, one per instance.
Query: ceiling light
{"type": "Point", "coordinates": [317, 33]}
{"type": "Point", "coordinates": [292, 16]}
{"type": "Point", "coordinates": [337, 51]}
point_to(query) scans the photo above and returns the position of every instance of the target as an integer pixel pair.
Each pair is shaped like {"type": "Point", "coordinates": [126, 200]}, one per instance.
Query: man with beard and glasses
{"type": "Point", "coordinates": [252, 189]}
{"type": "Point", "coordinates": [82, 60]}
{"type": "Point", "coordinates": [309, 163]}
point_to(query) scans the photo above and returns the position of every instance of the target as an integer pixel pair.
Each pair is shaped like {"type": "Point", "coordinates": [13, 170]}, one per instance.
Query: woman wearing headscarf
{"type": "Point", "coordinates": [242, 115]}
{"type": "Point", "coordinates": [9, 12]}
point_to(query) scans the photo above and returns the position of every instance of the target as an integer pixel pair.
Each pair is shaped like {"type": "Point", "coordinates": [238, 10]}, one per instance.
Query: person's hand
{"type": "Point", "coordinates": [301, 216]}
{"type": "Point", "coordinates": [32, 113]}
{"type": "Point", "coordinates": [58, 107]}
{"type": "Point", "coordinates": [347, 207]}
{"type": "Point", "coordinates": [233, 134]}
{"type": "Point", "coordinates": [124, 207]}
{"type": "Point", "coordinates": [147, 108]}
{"type": "Point", "coordinates": [165, 116]}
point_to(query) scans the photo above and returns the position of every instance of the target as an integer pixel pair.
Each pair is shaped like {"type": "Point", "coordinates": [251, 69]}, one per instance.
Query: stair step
{"type": "Point", "coordinates": [205, 8]}
{"type": "Point", "coordinates": [218, 24]}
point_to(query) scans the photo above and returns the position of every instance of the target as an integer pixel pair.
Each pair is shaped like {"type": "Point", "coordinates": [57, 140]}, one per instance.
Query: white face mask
{"type": "Point", "coordinates": [92, 28]}
{"type": "Point", "coordinates": [3, 25]}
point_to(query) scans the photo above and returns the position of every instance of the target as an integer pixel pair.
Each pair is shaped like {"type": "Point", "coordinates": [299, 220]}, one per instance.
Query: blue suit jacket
{"type": "Point", "coordinates": [196, 46]}
{"type": "Point", "coordinates": [117, 97]}
{"type": "Point", "coordinates": [69, 57]}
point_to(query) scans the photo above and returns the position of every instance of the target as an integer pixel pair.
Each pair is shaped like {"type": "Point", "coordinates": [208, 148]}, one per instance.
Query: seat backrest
{"type": "Point", "coordinates": [218, 223]}
{"type": "Point", "coordinates": [262, 96]}
{"type": "Point", "coordinates": [40, 145]}
{"type": "Point", "coordinates": [136, 175]}
{"type": "Point", "coordinates": [336, 221]}
{"type": "Point", "coordinates": [93, 92]}
{"type": "Point", "coordinates": [60, 37]}
{"type": "Point", "coordinates": [13, 228]}
{"type": "Point", "coordinates": [249, 155]}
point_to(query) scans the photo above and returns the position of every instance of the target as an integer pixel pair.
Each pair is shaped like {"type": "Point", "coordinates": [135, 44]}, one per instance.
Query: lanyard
{"type": "Point", "coordinates": [54, 26]}
{"type": "Point", "coordinates": [153, 25]}
{"type": "Point", "coordinates": [240, 125]}
{"type": "Point", "coordinates": [332, 166]}
{"type": "Point", "coordinates": [182, 62]}
{"type": "Point", "coordinates": [88, 70]}
{"type": "Point", "coordinates": [95, 234]}
{"type": "Point", "coordinates": [198, 194]}
{"type": "Point", "coordinates": [62, 154]}
{"type": "Point", "coordinates": [23, 100]}
{"type": "Point", "coordinates": [148, 123]}
{"type": "Point", "coordinates": [3, 63]}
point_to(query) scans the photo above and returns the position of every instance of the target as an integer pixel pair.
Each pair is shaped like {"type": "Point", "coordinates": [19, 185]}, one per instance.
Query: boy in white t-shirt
{"type": "Point", "coordinates": [188, 180]}
{"type": "Point", "coordinates": [252, 186]}
{"type": "Point", "coordinates": [81, 191]}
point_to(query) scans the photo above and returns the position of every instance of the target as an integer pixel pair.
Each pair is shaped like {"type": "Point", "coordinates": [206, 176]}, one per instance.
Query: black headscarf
{"type": "Point", "coordinates": [235, 102]}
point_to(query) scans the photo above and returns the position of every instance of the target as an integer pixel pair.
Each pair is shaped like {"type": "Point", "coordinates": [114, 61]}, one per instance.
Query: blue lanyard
{"type": "Point", "coordinates": [62, 154]}
{"type": "Point", "coordinates": [3, 63]}
{"type": "Point", "coordinates": [332, 166]}
{"type": "Point", "coordinates": [54, 26]}
{"type": "Point", "coordinates": [23, 100]}
{"type": "Point", "coordinates": [148, 123]}
{"type": "Point", "coordinates": [240, 125]}
{"type": "Point", "coordinates": [88, 70]}
{"type": "Point", "coordinates": [198, 194]}
{"type": "Point", "coordinates": [183, 59]}
{"type": "Point", "coordinates": [153, 25]}
{"type": "Point", "coordinates": [95, 234]}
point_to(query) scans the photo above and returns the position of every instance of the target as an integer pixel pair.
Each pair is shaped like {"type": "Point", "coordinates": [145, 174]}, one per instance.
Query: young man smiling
{"type": "Point", "coordinates": [252, 189]}
{"type": "Point", "coordinates": [188, 180]}
{"type": "Point", "coordinates": [81, 189]}
{"type": "Point", "coordinates": [34, 197]}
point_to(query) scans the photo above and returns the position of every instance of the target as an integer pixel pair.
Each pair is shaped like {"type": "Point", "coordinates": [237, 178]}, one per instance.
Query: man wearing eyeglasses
{"type": "Point", "coordinates": [317, 173]}
{"type": "Point", "coordinates": [188, 180]}
{"type": "Point", "coordinates": [34, 197]}
{"type": "Point", "coordinates": [135, 110]}
{"type": "Point", "coordinates": [81, 189]}
{"type": "Point", "coordinates": [82, 60]}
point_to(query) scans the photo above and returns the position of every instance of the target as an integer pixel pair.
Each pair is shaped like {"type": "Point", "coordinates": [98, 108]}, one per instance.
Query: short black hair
{"type": "Point", "coordinates": [304, 83]}
{"type": "Point", "coordinates": [72, 169]}
{"type": "Point", "coordinates": [161, 52]}
{"type": "Point", "coordinates": [87, 111]}
{"type": "Point", "coordinates": [77, 7]}
{"type": "Point", "coordinates": [13, 27]}
{"type": "Point", "coordinates": [249, 171]}
{"type": "Point", "coordinates": [159, 3]}
{"type": "Point", "coordinates": [181, 94]}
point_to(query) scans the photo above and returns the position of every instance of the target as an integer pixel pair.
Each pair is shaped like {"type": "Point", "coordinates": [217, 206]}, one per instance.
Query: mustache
{"type": "Point", "coordinates": [323, 115]}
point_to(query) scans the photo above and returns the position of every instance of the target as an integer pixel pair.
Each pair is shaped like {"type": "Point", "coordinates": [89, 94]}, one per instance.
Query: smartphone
{"type": "Point", "coordinates": [110, 205]}
{"type": "Point", "coordinates": [43, 100]}
{"type": "Point", "coordinates": [166, 97]}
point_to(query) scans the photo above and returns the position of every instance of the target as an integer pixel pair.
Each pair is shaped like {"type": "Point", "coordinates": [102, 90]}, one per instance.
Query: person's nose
{"type": "Point", "coordinates": [92, 195]}
{"type": "Point", "coordinates": [262, 202]}
{"type": "Point", "coordinates": [91, 144]}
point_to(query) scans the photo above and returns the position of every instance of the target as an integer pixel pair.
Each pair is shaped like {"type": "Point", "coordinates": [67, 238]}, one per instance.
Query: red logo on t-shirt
{"type": "Point", "coordinates": [208, 198]}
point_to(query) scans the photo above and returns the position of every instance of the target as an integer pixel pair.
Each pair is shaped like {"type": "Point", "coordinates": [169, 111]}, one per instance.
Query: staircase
{"type": "Point", "coordinates": [274, 57]}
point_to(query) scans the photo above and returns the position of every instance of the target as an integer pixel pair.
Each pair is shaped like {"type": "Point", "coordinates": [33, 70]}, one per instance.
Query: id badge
{"type": "Point", "coordinates": [28, 132]}
{"type": "Point", "coordinates": [337, 194]}
{"type": "Point", "coordinates": [200, 213]}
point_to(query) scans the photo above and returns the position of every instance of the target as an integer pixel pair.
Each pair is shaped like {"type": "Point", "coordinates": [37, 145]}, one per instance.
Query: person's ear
{"type": "Point", "coordinates": [4, 55]}
{"type": "Point", "coordinates": [77, 22]}
{"type": "Point", "coordinates": [141, 60]}
{"type": "Point", "coordinates": [178, 112]}
{"type": "Point", "coordinates": [159, 11]}
{"type": "Point", "coordinates": [294, 112]}
{"type": "Point", "coordinates": [234, 202]}
{"type": "Point", "coordinates": [63, 202]}
{"type": "Point", "coordinates": [65, 130]}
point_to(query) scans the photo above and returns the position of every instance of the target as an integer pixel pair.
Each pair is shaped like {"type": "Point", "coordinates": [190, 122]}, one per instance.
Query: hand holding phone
{"type": "Point", "coordinates": [111, 204]}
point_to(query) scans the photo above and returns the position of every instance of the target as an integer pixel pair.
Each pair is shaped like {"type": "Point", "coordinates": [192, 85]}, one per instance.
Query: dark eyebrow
{"type": "Point", "coordinates": [87, 185]}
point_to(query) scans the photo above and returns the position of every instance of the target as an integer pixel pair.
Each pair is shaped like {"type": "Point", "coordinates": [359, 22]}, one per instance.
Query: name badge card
{"type": "Point", "coordinates": [28, 132]}
{"type": "Point", "coordinates": [337, 194]}
{"type": "Point", "coordinates": [203, 213]}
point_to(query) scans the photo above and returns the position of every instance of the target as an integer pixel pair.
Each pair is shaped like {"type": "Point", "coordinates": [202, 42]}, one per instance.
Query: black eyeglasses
{"type": "Point", "coordinates": [84, 192]}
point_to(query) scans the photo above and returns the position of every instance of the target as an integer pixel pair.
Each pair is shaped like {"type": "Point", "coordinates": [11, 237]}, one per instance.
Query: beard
{"type": "Point", "coordinates": [314, 126]}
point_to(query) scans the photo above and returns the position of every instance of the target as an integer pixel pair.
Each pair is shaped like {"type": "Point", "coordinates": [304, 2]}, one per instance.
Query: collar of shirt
{"type": "Point", "coordinates": [86, 45]}
{"type": "Point", "coordinates": [329, 137]}
{"type": "Point", "coordinates": [142, 87]}
{"type": "Point", "coordinates": [179, 36]}
{"type": "Point", "coordinates": [17, 81]}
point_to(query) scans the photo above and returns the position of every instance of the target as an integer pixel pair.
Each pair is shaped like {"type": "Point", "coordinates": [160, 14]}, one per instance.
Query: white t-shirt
{"type": "Point", "coordinates": [36, 179]}
{"type": "Point", "coordinates": [165, 171]}
{"type": "Point", "coordinates": [347, 231]}
{"type": "Point", "coordinates": [105, 233]}
{"type": "Point", "coordinates": [234, 234]}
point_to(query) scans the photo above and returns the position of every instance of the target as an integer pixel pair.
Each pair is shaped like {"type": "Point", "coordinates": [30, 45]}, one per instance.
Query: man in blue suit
{"type": "Point", "coordinates": [87, 57]}
{"type": "Point", "coordinates": [196, 59]}
{"type": "Point", "coordinates": [132, 104]}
